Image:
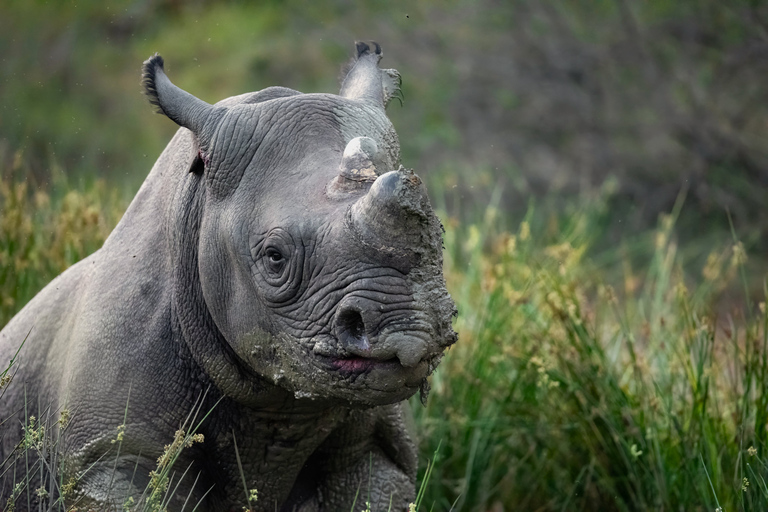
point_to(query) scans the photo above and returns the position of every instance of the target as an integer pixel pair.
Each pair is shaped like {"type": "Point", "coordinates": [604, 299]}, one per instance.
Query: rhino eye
{"type": "Point", "coordinates": [279, 263]}
{"type": "Point", "coordinates": [275, 260]}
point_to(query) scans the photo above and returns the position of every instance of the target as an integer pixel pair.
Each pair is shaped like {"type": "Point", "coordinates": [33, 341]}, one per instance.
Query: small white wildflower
{"type": "Point", "coordinates": [64, 418]}
{"type": "Point", "coordinates": [120, 434]}
{"type": "Point", "coordinates": [473, 240]}
{"type": "Point", "coordinates": [573, 312]}
{"type": "Point", "coordinates": [739, 257]}
{"type": "Point", "coordinates": [511, 245]}
{"type": "Point", "coordinates": [525, 230]}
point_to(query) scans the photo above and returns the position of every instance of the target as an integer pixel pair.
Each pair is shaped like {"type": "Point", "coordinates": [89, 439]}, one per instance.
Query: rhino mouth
{"type": "Point", "coordinates": [381, 375]}
{"type": "Point", "coordinates": [355, 365]}
{"type": "Point", "coordinates": [390, 370]}
{"type": "Point", "coordinates": [357, 354]}
{"type": "Point", "coordinates": [394, 349]}
{"type": "Point", "coordinates": [349, 364]}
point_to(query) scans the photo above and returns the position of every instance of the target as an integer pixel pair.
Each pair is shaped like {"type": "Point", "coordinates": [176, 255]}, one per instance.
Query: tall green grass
{"type": "Point", "coordinates": [581, 381]}
{"type": "Point", "coordinates": [570, 392]}
{"type": "Point", "coordinates": [44, 229]}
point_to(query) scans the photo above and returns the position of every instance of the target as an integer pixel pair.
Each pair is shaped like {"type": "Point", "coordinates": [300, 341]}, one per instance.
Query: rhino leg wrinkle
{"type": "Point", "coordinates": [276, 283]}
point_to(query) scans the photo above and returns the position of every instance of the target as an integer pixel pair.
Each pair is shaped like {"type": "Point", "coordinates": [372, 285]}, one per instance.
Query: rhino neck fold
{"type": "Point", "coordinates": [206, 343]}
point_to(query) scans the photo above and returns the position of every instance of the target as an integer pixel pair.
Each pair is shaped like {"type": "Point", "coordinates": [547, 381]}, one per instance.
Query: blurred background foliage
{"type": "Point", "coordinates": [534, 98]}
{"type": "Point", "coordinates": [588, 376]}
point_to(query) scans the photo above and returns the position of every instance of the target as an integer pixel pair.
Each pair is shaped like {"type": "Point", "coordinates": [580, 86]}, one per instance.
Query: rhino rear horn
{"type": "Point", "coordinates": [362, 160]}
{"type": "Point", "coordinates": [178, 105]}
{"type": "Point", "coordinates": [366, 82]}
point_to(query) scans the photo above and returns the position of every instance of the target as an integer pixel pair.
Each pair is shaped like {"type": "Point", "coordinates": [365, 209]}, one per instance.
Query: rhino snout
{"type": "Point", "coordinates": [351, 333]}
{"type": "Point", "coordinates": [409, 348]}
{"type": "Point", "coordinates": [359, 338]}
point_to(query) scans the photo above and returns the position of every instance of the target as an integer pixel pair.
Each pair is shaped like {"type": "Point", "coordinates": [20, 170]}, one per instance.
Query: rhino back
{"type": "Point", "coordinates": [102, 331]}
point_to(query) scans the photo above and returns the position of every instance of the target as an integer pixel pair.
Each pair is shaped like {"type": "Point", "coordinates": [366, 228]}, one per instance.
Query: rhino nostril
{"type": "Point", "coordinates": [350, 329]}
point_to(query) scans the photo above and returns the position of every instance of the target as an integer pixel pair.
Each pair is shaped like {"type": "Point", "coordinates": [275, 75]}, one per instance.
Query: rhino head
{"type": "Point", "coordinates": [319, 257]}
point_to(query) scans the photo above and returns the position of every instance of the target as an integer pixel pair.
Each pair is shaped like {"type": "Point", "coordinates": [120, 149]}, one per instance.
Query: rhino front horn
{"type": "Point", "coordinates": [394, 213]}
{"type": "Point", "coordinates": [177, 104]}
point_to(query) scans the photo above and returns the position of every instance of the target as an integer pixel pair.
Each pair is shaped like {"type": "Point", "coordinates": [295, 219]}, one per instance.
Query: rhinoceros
{"type": "Point", "coordinates": [277, 281]}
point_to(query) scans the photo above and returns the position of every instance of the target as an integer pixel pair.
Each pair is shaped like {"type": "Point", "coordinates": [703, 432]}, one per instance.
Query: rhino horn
{"type": "Point", "coordinates": [178, 105]}
{"type": "Point", "coordinates": [362, 160]}
{"type": "Point", "coordinates": [394, 212]}
{"type": "Point", "coordinates": [361, 164]}
{"type": "Point", "coordinates": [366, 82]}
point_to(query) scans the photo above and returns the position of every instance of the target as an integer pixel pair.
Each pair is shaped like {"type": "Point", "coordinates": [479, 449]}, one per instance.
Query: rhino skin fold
{"type": "Point", "coordinates": [278, 271]}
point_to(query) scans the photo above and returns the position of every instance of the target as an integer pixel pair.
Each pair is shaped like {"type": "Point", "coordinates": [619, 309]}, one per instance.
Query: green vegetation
{"type": "Point", "coordinates": [44, 230]}
{"type": "Point", "coordinates": [565, 390]}
{"type": "Point", "coordinates": [534, 97]}
{"type": "Point", "coordinates": [568, 392]}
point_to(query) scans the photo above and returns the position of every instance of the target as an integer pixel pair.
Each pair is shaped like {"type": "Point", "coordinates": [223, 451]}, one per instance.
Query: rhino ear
{"type": "Point", "coordinates": [178, 105]}
{"type": "Point", "coordinates": [364, 81]}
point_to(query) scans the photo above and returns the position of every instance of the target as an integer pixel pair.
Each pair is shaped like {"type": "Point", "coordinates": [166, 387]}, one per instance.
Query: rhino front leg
{"type": "Point", "coordinates": [114, 484]}
{"type": "Point", "coordinates": [374, 480]}
{"type": "Point", "coordinates": [373, 459]}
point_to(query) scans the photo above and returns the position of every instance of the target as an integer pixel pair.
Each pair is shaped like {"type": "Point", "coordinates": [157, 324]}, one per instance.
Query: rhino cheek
{"type": "Point", "coordinates": [226, 280]}
{"type": "Point", "coordinates": [427, 285]}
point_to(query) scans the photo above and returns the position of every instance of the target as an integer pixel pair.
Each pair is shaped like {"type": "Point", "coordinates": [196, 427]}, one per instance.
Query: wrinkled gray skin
{"type": "Point", "coordinates": [275, 259]}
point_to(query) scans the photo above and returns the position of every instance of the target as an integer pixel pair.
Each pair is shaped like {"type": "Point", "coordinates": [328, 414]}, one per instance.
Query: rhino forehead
{"type": "Point", "coordinates": [312, 118]}
{"type": "Point", "coordinates": [275, 136]}
{"type": "Point", "coordinates": [359, 119]}
{"type": "Point", "coordinates": [349, 119]}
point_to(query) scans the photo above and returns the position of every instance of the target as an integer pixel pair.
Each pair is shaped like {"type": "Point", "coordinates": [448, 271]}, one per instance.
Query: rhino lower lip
{"type": "Point", "coordinates": [356, 365]}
